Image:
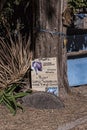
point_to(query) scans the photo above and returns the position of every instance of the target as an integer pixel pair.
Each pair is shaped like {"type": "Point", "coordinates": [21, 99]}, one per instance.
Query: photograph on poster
{"type": "Point", "coordinates": [53, 90]}
{"type": "Point", "coordinates": [36, 66]}
{"type": "Point", "coordinates": [44, 75]}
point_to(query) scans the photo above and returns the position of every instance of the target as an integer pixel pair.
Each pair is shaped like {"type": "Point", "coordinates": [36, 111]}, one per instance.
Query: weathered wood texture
{"type": "Point", "coordinates": [78, 53]}
{"type": "Point", "coordinates": [48, 16]}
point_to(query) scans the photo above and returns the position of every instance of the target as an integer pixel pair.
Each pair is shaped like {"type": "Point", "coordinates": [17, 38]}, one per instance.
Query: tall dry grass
{"type": "Point", "coordinates": [15, 59]}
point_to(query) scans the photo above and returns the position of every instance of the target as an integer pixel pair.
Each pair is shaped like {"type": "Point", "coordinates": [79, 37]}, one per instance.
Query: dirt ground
{"type": "Point", "coordinates": [72, 117]}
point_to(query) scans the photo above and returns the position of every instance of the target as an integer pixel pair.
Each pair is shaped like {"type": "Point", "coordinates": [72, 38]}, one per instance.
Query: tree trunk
{"type": "Point", "coordinates": [48, 18]}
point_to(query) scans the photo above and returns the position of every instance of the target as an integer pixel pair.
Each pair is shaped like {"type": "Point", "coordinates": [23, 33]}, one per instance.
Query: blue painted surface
{"type": "Point", "coordinates": [77, 71]}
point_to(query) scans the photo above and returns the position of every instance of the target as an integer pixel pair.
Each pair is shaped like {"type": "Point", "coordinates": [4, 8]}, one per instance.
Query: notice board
{"type": "Point", "coordinates": [44, 75]}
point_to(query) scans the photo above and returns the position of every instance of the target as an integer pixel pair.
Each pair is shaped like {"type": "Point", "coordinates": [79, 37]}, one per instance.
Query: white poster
{"type": "Point", "coordinates": [44, 75]}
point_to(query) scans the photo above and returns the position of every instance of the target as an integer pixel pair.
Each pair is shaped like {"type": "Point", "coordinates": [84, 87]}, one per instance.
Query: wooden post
{"type": "Point", "coordinates": [49, 18]}
{"type": "Point", "coordinates": [65, 85]}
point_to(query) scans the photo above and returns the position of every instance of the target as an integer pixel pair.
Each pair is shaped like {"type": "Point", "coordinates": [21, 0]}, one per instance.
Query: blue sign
{"type": "Point", "coordinates": [77, 71]}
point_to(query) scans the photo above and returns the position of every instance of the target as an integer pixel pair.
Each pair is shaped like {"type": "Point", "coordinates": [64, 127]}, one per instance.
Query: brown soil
{"type": "Point", "coordinates": [48, 119]}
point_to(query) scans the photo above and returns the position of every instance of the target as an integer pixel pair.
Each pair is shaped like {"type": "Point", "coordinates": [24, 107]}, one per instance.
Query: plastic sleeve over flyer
{"type": "Point", "coordinates": [44, 75]}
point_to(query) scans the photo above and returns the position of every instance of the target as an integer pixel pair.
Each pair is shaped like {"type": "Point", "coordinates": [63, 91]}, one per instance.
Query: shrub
{"type": "Point", "coordinates": [15, 60]}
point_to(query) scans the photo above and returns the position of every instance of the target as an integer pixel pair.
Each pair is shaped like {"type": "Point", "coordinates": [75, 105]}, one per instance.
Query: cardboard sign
{"type": "Point", "coordinates": [85, 23]}
{"type": "Point", "coordinates": [44, 75]}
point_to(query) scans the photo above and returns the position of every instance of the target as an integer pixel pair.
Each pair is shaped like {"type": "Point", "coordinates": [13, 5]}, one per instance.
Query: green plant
{"type": "Point", "coordinates": [77, 4]}
{"type": "Point", "coordinates": [12, 11]}
{"type": "Point", "coordinates": [15, 61]}
{"type": "Point", "coordinates": [7, 13]}
{"type": "Point", "coordinates": [9, 97]}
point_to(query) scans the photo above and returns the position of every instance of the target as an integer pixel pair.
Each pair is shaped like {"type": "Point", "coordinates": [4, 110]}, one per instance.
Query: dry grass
{"type": "Point", "coordinates": [15, 59]}
{"type": "Point", "coordinates": [47, 119]}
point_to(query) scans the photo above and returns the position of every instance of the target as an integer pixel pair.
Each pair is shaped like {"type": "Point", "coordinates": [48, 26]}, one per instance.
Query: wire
{"type": "Point", "coordinates": [61, 34]}
{"type": "Point", "coordinates": [51, 32]}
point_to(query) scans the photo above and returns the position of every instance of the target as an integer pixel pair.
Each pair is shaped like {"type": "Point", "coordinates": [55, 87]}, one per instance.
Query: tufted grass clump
{"type": "Point", "coordinates": [15, 60]}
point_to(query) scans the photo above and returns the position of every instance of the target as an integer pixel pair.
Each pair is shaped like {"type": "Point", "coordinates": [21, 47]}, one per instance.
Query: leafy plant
{"type": "Point", "coordinates": [13, 11]}
{"type": "Point", "coordinates": [15, 60]}
{"type": "Point", "coordinates": [9, 98]}
{"type": "Point", "coordinates": [77, 4]}
{"type": "Point", "coordinates": [6, 15]}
